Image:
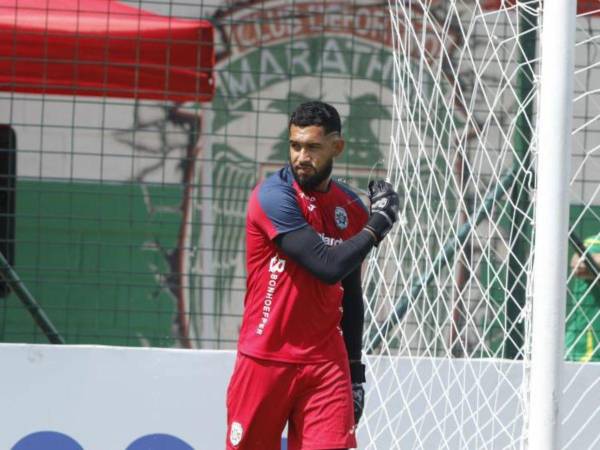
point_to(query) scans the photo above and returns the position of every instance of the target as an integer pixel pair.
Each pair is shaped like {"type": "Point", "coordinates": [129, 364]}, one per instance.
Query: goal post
{"type": "Point", "coordinates": [451, 295]}
{"type": "Point", "coordinates": [552, 221]}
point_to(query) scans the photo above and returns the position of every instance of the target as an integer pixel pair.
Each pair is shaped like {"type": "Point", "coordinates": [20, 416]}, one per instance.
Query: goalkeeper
{"type": "Point", "coordinates": [299, 350]}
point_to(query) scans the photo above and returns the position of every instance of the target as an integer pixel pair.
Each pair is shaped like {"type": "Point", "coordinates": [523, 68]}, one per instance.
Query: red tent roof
{"type": "Point", "coordinates": [591, 7]}
{"type": "Point", "coordinates": [103, 48]}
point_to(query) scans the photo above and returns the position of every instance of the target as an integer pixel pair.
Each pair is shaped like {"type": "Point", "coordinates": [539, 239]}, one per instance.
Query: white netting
{"type": "Point", "coordinates": [448, 309]}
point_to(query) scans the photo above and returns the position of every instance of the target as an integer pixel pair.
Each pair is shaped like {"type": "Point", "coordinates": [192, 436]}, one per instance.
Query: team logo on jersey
{"type": "Point", "coordinates": [341, 217]}
{"type": "Point", "coordinates": [235, 434]}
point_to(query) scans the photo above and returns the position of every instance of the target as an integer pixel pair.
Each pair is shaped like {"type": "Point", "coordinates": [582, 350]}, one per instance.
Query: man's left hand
{"type": "Point", "coordinates": [358, 398]}
{"type": "Point", "coordinates": [357, 376]}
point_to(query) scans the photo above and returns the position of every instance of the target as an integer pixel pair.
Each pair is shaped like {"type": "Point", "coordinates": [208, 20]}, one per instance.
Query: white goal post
{"type": "Point", "coordinates": [552, 222]}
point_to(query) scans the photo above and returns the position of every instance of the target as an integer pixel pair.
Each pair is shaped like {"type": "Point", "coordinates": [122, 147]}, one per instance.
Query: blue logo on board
{"type": "Point", "coordinates": [47, 440]}
{"type": "Point", "coordinates": [53, 440]}
{"type": "Point", "coordinates": [159, 442]}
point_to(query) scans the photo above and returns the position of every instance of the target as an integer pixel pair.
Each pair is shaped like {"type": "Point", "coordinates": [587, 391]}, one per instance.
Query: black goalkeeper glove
{"type": "Point", "coordinates": [384, 208]}
{"type": "Point", "coordinates": [357, 376]}
{"type": "Point", "coordinates": [358, 398]}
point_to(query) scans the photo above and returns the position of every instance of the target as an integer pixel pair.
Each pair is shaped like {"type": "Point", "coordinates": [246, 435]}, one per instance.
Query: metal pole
{"type": "Point", "coordinates": [38, 314]}
{"type": "Point", "coordinates": [551, 232]}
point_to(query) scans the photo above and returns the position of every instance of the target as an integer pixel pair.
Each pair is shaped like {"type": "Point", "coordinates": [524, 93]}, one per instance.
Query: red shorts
{"type": "Point", "coordinates": [314, 399]}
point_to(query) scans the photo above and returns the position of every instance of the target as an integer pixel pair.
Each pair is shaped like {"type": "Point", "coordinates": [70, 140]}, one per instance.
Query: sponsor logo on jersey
{"type": "Point", "coordinates": [330, 241]}
{"type": "Point", "coordinates": [341, 218]}
{"type": "Point", "coordinates": [309, 198]}
{"type": "Point", "coordinates": [276, 266]}
{"type": "Point", "coordinates": [235, 434]}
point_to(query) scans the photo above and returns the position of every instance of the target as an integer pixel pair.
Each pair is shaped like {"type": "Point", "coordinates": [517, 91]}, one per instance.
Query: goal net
{"type": "Point", "coordinates": [449, 292]}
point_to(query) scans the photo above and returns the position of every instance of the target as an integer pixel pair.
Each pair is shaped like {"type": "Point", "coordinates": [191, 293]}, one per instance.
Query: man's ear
{"type": "Point", "coordinates": [339, 145]}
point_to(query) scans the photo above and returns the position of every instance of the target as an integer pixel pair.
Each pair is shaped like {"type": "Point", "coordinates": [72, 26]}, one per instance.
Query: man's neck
{"type": "Point", "coordinates": [324, 185]}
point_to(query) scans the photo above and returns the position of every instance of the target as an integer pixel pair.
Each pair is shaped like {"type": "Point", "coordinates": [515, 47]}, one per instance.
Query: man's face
{"type": "Point", "coordinates": [311, 155]}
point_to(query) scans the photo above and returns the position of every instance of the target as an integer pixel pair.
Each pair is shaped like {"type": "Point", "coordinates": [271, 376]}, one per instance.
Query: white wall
{"type": "Point", "coordinates": [107, 397]}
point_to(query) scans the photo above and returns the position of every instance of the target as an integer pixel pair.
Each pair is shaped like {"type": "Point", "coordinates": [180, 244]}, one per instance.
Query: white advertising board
{"type": "Point", "coordinates": [106, 398]}
{"type": "Point", "coordinates": [117, 398]}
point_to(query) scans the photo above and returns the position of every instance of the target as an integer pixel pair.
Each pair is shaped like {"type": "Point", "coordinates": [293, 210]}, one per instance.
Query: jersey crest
{"type": "Point", "coordinates": [235, 434]}
{"type": "Point", "coordinates": [341, 218]}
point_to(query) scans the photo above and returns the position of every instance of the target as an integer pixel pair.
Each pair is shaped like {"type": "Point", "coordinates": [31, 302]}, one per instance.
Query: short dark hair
{"type": "Point", "coordinates": [316, 113]}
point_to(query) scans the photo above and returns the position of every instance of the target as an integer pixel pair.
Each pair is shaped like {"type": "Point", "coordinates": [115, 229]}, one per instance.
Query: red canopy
{"type": "Point", "coordinates": [103, 48]}
{"type": "Point", "coordinates": [591, 7]}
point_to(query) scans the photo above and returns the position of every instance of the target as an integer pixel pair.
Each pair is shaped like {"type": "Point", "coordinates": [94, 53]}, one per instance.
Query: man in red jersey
{"type": "Point", "coordinates": [299, 350]}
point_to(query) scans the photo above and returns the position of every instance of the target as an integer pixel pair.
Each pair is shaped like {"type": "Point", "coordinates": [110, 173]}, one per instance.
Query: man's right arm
{"type": "Point", "coordinates": [276, 208]}
{"type": "Point", "coordinates": [328, 264]}
{"type": "Point", "coordinates": [332, 264]}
